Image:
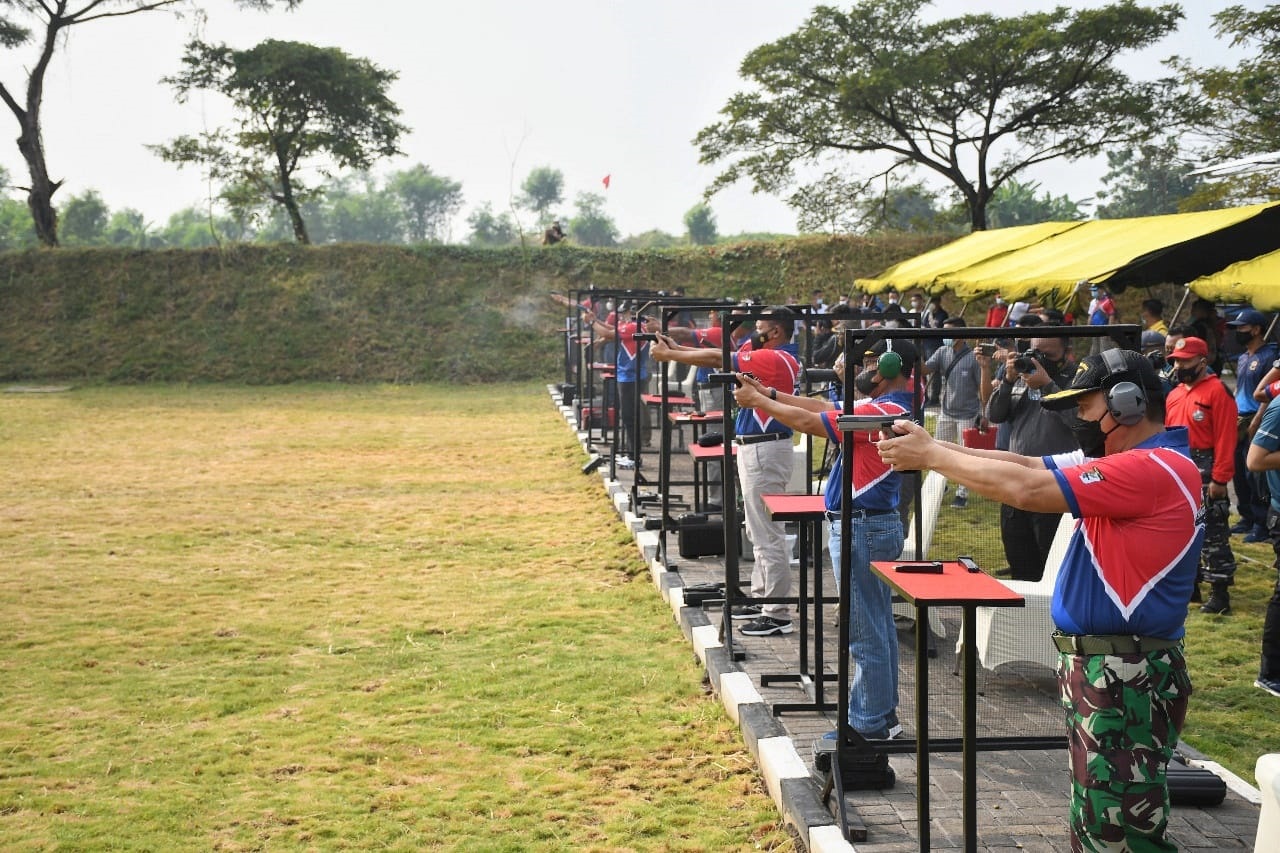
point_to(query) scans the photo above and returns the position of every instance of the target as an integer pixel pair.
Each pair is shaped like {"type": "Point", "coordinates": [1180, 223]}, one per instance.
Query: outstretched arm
{"type": "Point", "coordinates": [1019, 481]}
{"type": "Point", "coordinates": [750, 394]}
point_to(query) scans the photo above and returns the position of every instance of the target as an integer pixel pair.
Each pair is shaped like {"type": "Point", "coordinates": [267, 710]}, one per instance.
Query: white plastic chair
{"type": "Point", "coordinates": [1267, 771]}
{"type": "Point", "coordinates": [1013, 634]}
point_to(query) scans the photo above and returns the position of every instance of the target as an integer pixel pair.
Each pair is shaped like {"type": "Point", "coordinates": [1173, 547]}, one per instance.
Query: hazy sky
{"type": "Point", "coordinates": [490, 89]}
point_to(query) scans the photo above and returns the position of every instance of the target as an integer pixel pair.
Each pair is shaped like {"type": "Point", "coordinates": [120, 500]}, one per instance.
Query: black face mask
{"type": "Point", "coordinates": [757, 340]}
{"type": "Point", "coordinates": [866, 382]}
{"type": "Point", "coordinates": [1187, 374]}
{"type": "Point", "coordinates": [1243, 337]}
{"type": "Point", "coordinates": [1089, 434]}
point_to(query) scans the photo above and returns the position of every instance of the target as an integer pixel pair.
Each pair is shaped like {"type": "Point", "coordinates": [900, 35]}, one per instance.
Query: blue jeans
{"type": "Point", "coordinates": [873, 639]}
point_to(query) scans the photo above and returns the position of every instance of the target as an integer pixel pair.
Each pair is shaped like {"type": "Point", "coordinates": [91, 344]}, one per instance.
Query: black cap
{"type": "Point", "coordinates": [1094, 374]}
{"type": "Point", "coordinates": [901, 346]}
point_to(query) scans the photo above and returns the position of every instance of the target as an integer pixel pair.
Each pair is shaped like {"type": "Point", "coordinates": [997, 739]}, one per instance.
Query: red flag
{"type": "Point", "coordinates": [606, 180]}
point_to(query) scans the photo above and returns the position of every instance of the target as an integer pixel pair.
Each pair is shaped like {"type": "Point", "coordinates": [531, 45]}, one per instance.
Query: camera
{"type": "Point", "coordinates": [1027, 361]}
{"type": "Point", "coordinates": [986, 349]}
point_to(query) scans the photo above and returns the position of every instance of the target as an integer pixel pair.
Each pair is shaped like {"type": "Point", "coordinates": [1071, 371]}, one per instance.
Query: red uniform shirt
{"type": "Point", "coordinates": [1208, 411]}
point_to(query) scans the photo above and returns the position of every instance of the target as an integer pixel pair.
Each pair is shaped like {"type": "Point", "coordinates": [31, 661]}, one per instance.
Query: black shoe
{"type": "Point", "coordinates": [1219, 602]}
{"type": "Point", "coordinates": [1195, 594]}
{"type": "Point", "coordinates": [766, 626]}
{"type": "Point", "coordinates": [1257, 534]}
{"type": "Point", "coordinates": [1242, 526]}
{"type": "Point", "coordinates": [746, 611]}
{"type": "Point", "coordinates": [1268, 684]}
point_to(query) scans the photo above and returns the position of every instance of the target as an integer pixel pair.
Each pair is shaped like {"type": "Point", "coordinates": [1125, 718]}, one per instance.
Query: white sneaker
{"type": "Point", "coordinates": [624, 462]}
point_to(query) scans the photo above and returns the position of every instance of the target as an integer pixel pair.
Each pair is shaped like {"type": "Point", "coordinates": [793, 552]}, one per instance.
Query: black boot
{"type": "Point", "coordinates": [1219, 599]}
{"type": "Point", "coordinates": [1195, 593]}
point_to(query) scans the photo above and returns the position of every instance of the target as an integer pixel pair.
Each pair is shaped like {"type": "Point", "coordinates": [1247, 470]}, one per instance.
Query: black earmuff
{"type": "Point", "coordinates": [1126, 401]}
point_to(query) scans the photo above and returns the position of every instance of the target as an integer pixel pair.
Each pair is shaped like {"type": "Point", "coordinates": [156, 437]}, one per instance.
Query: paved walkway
{"type": "Point", "coordinates": [1021, 794]}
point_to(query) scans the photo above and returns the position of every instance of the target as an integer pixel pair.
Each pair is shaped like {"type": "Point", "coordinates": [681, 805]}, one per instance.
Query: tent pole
{"type": "Point", "coordinates": [1186, 292]}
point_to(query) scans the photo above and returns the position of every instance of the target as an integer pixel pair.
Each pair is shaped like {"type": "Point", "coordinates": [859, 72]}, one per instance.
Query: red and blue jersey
{"type": "Point", "coordinates": [875, 484]}
{"type": "Point", "coordinates": [1132, 561]}
{"type": "Point", "coordinates": [774, 368]}
{"type": "Point", "coordinates": [631, 354]}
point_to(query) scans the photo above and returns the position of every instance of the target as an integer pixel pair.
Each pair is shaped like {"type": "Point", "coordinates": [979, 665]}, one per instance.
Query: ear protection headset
{"type": "Point", "coordinates": [1126, 401]}
{"type": "Point", "coordinates": [889, 365]}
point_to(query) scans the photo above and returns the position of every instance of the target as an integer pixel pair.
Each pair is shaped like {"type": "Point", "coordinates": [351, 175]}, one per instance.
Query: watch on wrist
{"type": "Point", "coordinates": [773, 393]}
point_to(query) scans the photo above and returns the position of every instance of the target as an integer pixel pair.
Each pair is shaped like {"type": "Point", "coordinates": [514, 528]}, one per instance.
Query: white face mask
{"type": "Point", "coordinates": [948, 342]}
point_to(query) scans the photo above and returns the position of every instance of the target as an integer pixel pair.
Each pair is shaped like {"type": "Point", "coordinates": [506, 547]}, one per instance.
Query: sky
{"type": "Point", "coordinates": [490, 89]}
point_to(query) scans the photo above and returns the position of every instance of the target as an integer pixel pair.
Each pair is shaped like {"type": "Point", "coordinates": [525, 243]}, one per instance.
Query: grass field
{"type": "Point", "coordinates": [323, 618]}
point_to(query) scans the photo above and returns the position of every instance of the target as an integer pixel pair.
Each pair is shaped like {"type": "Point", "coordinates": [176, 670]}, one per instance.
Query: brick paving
{"type": "Point", "coordinates": [1021, 794]}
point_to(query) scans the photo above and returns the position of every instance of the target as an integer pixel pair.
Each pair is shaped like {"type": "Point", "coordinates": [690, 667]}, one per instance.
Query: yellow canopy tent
{"type": "Point", "coordinates": [1255, 281]}
{"type": "Point", "coordinates": [922, 270]}
{"type": "Point", "coordinates": [1122, 252]}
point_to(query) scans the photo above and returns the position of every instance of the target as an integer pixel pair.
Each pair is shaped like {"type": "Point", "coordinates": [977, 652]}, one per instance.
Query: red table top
{"type": "Point", "coordinates": [715, 451]}
{"type": "Point", "coordinates": [795, 507]}
{"type": "Point", "coordinates": [691, 418]}
{"type": "Point", "coordinates": [956, 585]}
{"type": "Point", "coordinates": [672, 399]}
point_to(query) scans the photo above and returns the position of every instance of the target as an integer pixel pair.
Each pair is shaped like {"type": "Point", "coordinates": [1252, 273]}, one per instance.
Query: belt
{"type": "Point", "coordinates": [1110, 644]}
{"type": "Point", "coordinates": [859, 513]}
{"type": "Point", "coordinates": [756, 439]}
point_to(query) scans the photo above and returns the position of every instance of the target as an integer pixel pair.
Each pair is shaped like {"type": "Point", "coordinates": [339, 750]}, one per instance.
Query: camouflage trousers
{"type": "Point", "coordinates": [1217, 562]}
{"type": "Point", "coordinates": [1124, 714]}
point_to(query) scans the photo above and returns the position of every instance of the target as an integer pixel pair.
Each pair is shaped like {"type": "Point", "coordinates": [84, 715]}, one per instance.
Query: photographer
{"type": "Point", "coordinates": [1033, 431]}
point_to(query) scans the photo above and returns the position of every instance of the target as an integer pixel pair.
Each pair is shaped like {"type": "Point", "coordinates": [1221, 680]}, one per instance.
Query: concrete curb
{"type": "Point", "coordinates": [795, 791]}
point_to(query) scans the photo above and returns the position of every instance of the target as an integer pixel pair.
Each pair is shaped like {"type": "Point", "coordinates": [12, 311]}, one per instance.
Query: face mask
{"type": "Point", "coordinates": [948, 342]}
{"type": "Point", "coordinates": [999, 301]}
{"type": "Point", "coordinates": [1187, 374]}
{"type": "Point", "coordinates": [1089, 434]}
{"type": "Point", "coordinates": [916, 304]}
{"type": "Point", "coordinates": [893, 300]}
{"type": "Point", "coordinates": [866, 382]}
{"type": "Point", "coordinates": [757, 340]}
{"type": "Point", "coordinates": [1243, 337]}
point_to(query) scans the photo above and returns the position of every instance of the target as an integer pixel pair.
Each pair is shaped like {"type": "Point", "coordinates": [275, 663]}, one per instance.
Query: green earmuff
{"type": "Point", "coordinates": [889, 365]}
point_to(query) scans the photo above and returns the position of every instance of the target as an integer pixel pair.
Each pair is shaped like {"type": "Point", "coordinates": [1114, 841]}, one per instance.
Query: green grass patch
{"type": "Point", "coordinates": [327, 617]}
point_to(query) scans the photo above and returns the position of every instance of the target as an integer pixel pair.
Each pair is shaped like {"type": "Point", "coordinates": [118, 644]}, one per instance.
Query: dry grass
{"type": "Point", "coordinates": [339, 618]}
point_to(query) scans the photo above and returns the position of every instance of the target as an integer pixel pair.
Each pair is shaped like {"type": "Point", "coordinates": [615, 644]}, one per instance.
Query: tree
{"type": "Point", "coordinates": [652, 239]}
{"type": "Point", "coordinates": [1016, 203]}
{"type": "Point", "coordinates": [84, 219]}
{"type": "Point", "coordinates": [127, 227]}
{"type": "Point", "coordinates": [295, 103]}
{"type": "Point", "coordinates": [428, 200]}
{"type": "Point", "coordinates": [838, 204]}
{"type": "Point", "coordinates": [1237, 109]}
{"type": "Point", "coordinates": [700, 223]}
{"type": "Point", "coordinates": [591, 226]}
{"type": "Point", "coordinates": [368, 215]}
{"type": "Point", "coordinates": [543, 189]}
{"type": "Point", "coordinates": [1149, 180]}
{"type": "Point", "coordinates": [976, 99]}
{"type": "Point", "coordinates": [490, 230]}
{"type": "Point", "coordinates": [19, 22]}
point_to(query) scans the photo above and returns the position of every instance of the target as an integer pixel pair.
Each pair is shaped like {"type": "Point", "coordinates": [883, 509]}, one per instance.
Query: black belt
{"type": "Point", "coordinates": [756, 439]}
{"type": "Point", "coordinates": [1110, 644]}
{"type": "Point", "coordinates": [859, 513]}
